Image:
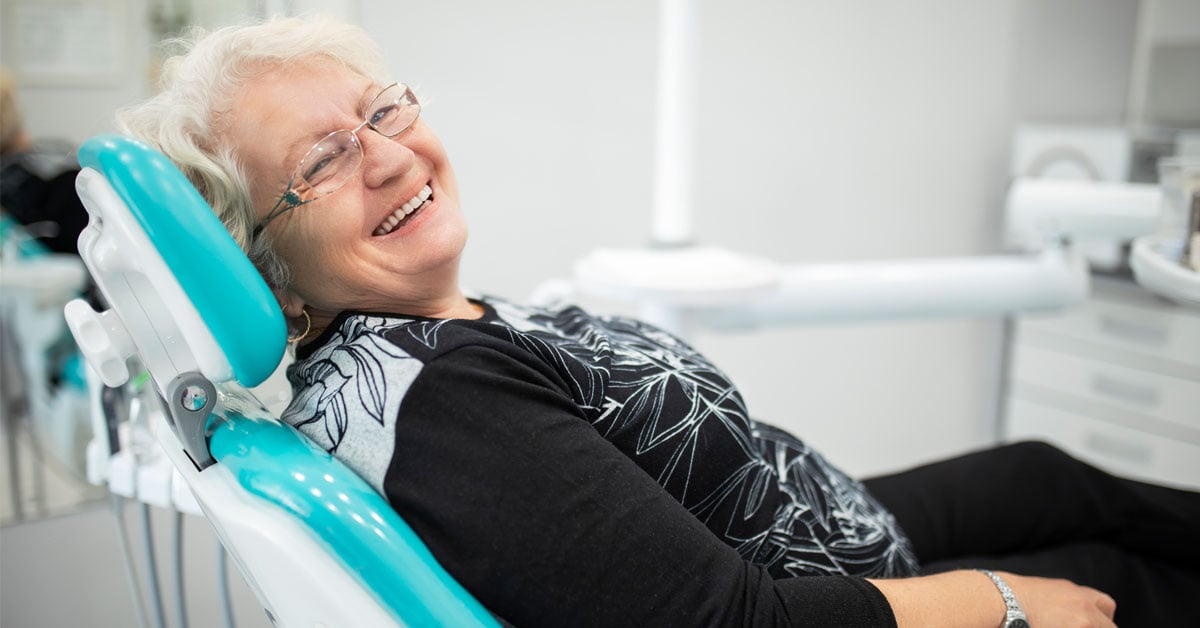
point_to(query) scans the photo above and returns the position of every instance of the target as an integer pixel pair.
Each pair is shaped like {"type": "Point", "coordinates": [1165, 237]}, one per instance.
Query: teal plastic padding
{"type": "Point", "coordinates": [226, 290]}
{"type": "Point", "coordinates": [272, 460]}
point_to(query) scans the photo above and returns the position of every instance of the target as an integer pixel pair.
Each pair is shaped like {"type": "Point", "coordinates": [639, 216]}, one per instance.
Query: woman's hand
{"type": "Point", "coordinates": [969, 599]}
{"type": "Point", "coordinates": [1053, 602]}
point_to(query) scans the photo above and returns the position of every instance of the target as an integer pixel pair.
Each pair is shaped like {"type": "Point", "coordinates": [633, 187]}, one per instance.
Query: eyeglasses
{"type": "Point", "coordinates": [330, 163]}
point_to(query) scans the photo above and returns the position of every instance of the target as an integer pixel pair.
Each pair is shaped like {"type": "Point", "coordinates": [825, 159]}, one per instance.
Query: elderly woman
{"type": "Point", "coordinates": [572, 469]}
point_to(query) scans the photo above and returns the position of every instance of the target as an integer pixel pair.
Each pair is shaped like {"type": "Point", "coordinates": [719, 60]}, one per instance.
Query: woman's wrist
{"type": "Point", "coordinates": [1014, 615]}
{"type": "Point", "coordinates": [963, 598]}
{"type": "Point", "coordinates": [969, 598]}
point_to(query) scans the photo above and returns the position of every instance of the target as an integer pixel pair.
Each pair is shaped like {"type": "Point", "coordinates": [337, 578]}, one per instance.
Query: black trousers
{"type": "Point", "coordinates": [1033, 510]}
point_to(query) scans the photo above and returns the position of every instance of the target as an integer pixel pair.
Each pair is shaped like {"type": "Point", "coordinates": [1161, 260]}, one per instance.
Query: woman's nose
{"type": "Point", "coordinates": [384, 158]}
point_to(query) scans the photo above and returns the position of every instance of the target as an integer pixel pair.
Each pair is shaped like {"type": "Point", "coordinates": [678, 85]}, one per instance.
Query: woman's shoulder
{"type": "Point", "coordinates": [349, 384]}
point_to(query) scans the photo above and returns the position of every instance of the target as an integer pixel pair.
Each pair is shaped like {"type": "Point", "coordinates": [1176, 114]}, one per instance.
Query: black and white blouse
{"type": "Point", "coordinates": [549, 460]}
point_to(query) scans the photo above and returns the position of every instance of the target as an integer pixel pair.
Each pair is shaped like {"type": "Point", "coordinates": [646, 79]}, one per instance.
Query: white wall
{"type": "Point", "coordinates": [863, 130]}
{"type": "Point", "coordinates": [75, 108]}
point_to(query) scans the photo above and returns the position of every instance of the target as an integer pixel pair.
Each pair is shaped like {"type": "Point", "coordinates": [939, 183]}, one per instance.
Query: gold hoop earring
{"type": "Point", "coordinates": [307, 328]}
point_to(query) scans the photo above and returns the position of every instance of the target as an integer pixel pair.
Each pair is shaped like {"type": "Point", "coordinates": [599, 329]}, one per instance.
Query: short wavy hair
{"type": "Point", "coordinates": [197, 89]}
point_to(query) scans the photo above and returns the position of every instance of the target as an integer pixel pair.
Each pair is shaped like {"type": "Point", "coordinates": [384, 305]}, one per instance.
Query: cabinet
{"type": "Point", "coordinates": [1114, 381]}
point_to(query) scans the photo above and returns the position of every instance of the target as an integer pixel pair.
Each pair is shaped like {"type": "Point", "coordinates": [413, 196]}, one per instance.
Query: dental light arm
{"type": "Point", "coordinates": [722, 290]}
{"type": "Point", "coordinates": [773, 295]}
{"type": "Point", "coordinates": [905, 289]}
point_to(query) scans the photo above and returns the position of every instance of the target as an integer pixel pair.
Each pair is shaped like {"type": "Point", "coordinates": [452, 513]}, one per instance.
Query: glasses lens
{"type": "Point", "coordinates": [333, 160]}
{"type": "Point", "coordinates": [393, 110]}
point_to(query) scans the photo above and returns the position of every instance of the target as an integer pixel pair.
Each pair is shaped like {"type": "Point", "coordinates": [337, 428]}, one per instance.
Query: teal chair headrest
{"type": "Point", "coordinates": [231, 297]}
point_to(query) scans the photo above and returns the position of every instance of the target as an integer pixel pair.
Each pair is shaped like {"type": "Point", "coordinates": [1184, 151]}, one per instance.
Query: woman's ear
{"type": "Point", "coordinates": [291, 304]}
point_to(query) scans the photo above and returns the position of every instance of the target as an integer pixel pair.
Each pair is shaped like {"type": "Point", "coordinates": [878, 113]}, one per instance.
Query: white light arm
{"type": "Point", "coordinates": [908, 289]}
{"type": "Point", "coordinates": [720, 289]}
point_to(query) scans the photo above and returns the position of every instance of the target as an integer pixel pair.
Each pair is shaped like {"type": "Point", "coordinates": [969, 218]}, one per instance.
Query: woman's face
{"type": "Point", "coordinates": [333, 245]}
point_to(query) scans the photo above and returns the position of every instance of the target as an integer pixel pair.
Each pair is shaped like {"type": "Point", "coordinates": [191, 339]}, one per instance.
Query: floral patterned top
{"type": "Point", "coordinates": [545, 455]}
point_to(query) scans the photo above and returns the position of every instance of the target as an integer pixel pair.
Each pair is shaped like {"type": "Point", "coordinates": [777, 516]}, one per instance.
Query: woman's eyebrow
{"type": "Point", "coordinates": [296, 150]}
{"type": "Point", "coordinates": [306, 142]}
{"type": "Point", "coordinates": [369, 93]}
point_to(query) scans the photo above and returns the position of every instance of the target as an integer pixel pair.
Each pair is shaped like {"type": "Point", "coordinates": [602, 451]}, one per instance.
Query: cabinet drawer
{"type": "Point", "coordinates": [1118, 450]}
{"type": "Point", "coordinates": [1150, 394]}
{"type": "Point", "coordinates": [1163, 330]}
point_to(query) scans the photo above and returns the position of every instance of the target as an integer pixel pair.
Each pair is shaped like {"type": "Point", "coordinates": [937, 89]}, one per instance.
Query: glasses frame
{"type": "Point", "coordinates": [290, 199]}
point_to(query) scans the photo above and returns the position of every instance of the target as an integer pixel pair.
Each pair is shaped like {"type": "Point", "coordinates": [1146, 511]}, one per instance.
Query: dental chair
{"type": "Point", "coordinates": [316, 543]}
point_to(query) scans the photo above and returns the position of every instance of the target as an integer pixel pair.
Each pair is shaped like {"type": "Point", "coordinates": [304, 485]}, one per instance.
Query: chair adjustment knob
{"type": "Point", "coordinates": [103, 340]}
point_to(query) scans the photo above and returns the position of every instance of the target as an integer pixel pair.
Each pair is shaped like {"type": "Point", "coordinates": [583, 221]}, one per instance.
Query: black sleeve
{"type": "Point", "coordinates": [548, 524]}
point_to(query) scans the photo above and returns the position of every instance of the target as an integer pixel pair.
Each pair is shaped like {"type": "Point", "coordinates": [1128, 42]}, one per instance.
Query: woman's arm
{"type": "Point", "coordinates": [968, 599]}
{"type": "Point", "coordinates": [549, 524]}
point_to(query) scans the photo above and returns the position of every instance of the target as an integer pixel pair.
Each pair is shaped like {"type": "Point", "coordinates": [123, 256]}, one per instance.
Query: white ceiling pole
{"type": "Point", "coordinates": [676, 124]}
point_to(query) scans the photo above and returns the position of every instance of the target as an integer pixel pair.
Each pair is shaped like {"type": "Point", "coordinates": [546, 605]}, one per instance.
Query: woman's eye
{"type": "Point", "coordinates": [383, 113]}
{"type": "Point", "coordinates": [312, 174]}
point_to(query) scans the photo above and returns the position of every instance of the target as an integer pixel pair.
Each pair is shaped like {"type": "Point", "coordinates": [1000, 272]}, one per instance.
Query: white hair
{"type": "Point", "coordinates": [198, 86]}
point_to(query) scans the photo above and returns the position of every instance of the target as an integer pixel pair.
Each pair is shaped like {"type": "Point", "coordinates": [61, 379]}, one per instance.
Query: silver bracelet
{"type": "Point", "coordinates": [1014, 617]}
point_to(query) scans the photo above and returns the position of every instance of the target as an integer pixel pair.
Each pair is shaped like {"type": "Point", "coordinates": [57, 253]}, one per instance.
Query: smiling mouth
{"type": "Point", "coordinates": [405, 212]}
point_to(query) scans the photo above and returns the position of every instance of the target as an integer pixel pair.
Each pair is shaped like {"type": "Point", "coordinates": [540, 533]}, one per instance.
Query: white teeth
{"type": "Point", "coordinates": [422, 196]}
{"type": "Point", "coordinates": [413, 204]}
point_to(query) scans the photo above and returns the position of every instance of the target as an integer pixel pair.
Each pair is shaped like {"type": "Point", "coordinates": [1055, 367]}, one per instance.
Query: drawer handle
{"type": "Point", "coordinates": [1117, 448]}
{"type": "Point", "coordinates": [1125, 391]}
{"type": "Point", "coordinates": [1133, 330]}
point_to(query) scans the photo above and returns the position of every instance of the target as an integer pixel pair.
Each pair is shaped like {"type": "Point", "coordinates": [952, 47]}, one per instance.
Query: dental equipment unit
{"type": "Point", "coordinates": [713, 288]}
{"type": "Point", "coordinates": [43, 392]}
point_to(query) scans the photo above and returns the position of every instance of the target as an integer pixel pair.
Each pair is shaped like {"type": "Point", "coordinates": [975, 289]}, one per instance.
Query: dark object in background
{"type": "Point", "coordinates": [38, 186]}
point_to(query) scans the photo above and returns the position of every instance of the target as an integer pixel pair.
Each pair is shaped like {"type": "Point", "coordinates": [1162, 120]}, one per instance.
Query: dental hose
{"type": "Point", "coordinates": [118, 508]}
{"type": "Point", "coordinates": [156, 606]}
{"type": "Point", "coordinates": [134, 389]}
{"type": "Point", "coordinates": [180, 599]}
{"type": "Point", "coordinates": [223, 585]}
{"type": "Point", "coordinates": [112, 407]}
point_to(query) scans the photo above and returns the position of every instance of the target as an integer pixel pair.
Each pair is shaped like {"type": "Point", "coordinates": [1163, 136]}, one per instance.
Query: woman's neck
{"type": "Point", "coordinates": [459, 306]}
{"type": "Point", "coordinates": [455, 305]}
